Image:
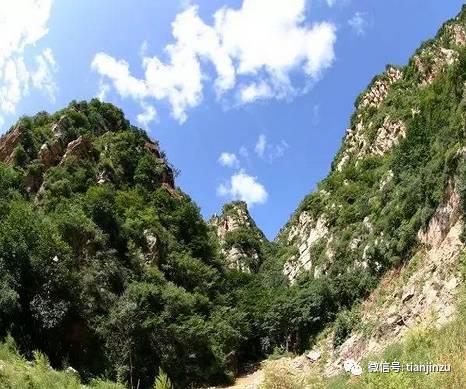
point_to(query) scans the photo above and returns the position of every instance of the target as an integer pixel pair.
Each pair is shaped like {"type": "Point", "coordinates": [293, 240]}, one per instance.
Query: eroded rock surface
{"type": "Point", "coordinates": [239, 236]}
{"type": "Point", "coordinates": [422, 292]}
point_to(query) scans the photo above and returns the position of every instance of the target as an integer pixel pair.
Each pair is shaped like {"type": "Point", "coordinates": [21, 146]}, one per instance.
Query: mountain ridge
{"type": "Point", "coordinates": [107, 265]}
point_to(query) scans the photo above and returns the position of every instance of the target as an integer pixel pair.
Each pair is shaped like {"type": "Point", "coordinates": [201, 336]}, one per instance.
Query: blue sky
{"type": "Point", "coordinates": [249, 98]}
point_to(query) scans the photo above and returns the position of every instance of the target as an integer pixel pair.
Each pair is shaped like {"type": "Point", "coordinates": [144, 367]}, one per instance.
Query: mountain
{"type": "Point", "coordinates": [241, 241]}
{"type": "Point", "coordinates": [107, 266]}
{"type": "Point", "coordinates": [385, 228]}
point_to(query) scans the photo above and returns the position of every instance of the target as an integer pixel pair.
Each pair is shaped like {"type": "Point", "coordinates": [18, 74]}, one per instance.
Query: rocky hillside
{"type": "Point", "coordinates": [399, 159]}
{"type": "Point", "coordinates": [386, 225]}
{"type": "Point", "coordinates": [241, 241]}
{"type": "Point", "coordinates": [107, 266]}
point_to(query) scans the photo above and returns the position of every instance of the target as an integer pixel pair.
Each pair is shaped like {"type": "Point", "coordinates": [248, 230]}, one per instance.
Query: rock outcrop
{"type": "Point", "coordinates": [379, 90]}
{"type": "Point", "coordinates": [80, 149]}
{"type": "Point", "coordinates": [8, 144]}
{"type": "Point", "coordinates": [241, 241]}
{"type": "Point", "coordinates": [304, 235]}
{"type": "Point", "coordinates": [388, 136]}
{"type": "Point", "coordinates": [421, 292]}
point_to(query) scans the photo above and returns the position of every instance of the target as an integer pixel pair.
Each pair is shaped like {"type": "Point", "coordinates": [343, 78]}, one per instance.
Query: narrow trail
{"type": "Point", "coordinates": [250, 381]}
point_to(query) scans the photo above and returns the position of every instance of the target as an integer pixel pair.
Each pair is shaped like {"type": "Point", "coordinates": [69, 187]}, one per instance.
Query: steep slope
{"type": "Point", "coordinates": [386, 225]}
{"type": "Point", "coordinates": [404, 148]}
{"type": "Point", "coordinates": [104, 264]}
{"type": "Point", "coordinates": [242, 242]}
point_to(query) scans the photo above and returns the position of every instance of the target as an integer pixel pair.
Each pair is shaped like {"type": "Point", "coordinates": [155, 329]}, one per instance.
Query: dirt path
{"type": "Point", "coordinates": [250, 381]}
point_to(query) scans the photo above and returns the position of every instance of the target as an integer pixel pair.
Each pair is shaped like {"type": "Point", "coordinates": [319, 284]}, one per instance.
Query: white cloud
{"type": "Point", "coordinates": [358, 23]}
{"type": "Point", "coordinates": [22, 24]}
{"type": "Point", "coordinates": [277, 151]}
{"type": "Point", "coordinates": [243, 151]}
{"type": "Point", "coordinates": [255, 91]}
{"type": "Point", "coordinates": [261, 145]}
{"type": "Point", "coordinates": [143, 49]}
{"type": "Point", "coordinates": [148, 115]}
{"type": "Point", "coordinates": [269, 152]}
{"type": "Point", "coordinates": [118, 71]}
{"type": "Point", "coordinates": [42, 77]}
{"type": "Point", "coordinates": [331, 3]}
{"type": "Point", "coordinates": [244, 187]}
{"type": "Point", "coordinates": [260, 64]}
{"type": "Point", "coordinates": [104, 88]}
{"type": "Point", "coordinates": [228, 159]}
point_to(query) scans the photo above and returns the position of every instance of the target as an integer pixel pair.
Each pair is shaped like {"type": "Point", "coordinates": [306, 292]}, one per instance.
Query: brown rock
{"type": "Point", "coordinates": [80, 148]}
{"type": "Point", "coordinates": [153, 148]}
{"type": "Point", "coordinates": [49, 155]}
{"type": "Point", "coordinates": [8, 144]}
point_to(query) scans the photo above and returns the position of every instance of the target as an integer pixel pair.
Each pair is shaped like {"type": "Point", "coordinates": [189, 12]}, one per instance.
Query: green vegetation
{"type": "Point", "coordinates": [116, 278]}
{"type": "Point", "coordinates": [105, 266]}
{"type": "Point", "coordinates": [374, 229]}
{"type": "Point", "coordinates": [17, 373]}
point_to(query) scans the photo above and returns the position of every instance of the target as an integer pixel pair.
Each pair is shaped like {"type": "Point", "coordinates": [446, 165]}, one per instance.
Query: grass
{"type": "Point", "coordinates": [422, 345]}
{"type": "Point", "coordinates": [18, 373]}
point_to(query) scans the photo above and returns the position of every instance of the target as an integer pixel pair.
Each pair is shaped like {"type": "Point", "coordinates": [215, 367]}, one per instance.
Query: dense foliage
{"type": "Point", "coordinates": [375, 205]}
{"type": "Point", "coordinates": [116, 277]}
{"type": "Point", "coordinates": [107, 267]}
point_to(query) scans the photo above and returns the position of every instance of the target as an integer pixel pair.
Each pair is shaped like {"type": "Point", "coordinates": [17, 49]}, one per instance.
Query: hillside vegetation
{"type": "Point", "coordinates": [107, 267]}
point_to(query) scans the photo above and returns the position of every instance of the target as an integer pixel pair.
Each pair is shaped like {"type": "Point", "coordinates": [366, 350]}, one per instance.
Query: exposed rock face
{"type": "Point", "coordinates": [239, 236]}
{"type": "Point", "coordinates": [80, 148]}
{"type": "Point", "coordinates": [445, 217]}
{"type": "Point", "coordinates": [457, 34]}
{"type": "Point", "coordinates": [152, 247]}
{"type": "Point", "coordinates": [423, 292]}
{"type": "Point", "coordinates": [8, 144]}
{"type": "Point", "coordinates": [50, 155]}
{"type": "Point", "coordinates": [432, 61]}
{"type": "Point", "coordinates": [358, 145]}
{"type": "Point", "coordinates": [153, 148]}
{"type": "Point", "coordinates": [305, 234]}
{"type": "Point", "coordinates": [379, 90]}
{"type": "Point", "coordinates": [168, 179]}
{"type": "Point", "coordinates": [60, 127]}
{"type": "Point", "coordinates": [387, 136]}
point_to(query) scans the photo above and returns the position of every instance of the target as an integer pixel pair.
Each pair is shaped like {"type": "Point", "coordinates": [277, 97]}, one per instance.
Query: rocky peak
{"type": "Point", "coordinates": [234, 215]}
{"type": "Point", "coordinates": [240, 239]}
{"type": "Point", "coordinates": [94, 132]}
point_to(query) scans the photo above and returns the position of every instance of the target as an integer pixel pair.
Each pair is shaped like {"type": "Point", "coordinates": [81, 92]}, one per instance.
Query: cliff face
{"type": "Point", "coordinates": [240, 239]}
{"type": "Point", "coordinates": [362, 211]}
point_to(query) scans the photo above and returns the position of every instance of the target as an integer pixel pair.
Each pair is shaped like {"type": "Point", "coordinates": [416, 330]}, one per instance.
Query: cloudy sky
{"type": "Point", "coordinates": [249, 98]}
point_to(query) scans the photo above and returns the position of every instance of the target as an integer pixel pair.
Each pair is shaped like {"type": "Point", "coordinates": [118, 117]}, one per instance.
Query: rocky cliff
{"type": "Point", "coordinates": [240, 239]}
{"type": "Point", "coordinates": [343, 216]}
{"type": "Point", "coordinates": [386, 227]}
